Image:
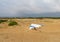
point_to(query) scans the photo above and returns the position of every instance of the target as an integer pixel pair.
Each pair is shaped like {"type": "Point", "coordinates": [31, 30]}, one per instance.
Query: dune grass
{"type": "Point", "coordinates": [12, 23]}
{"type": "Point", "coordinates": [1, 21]}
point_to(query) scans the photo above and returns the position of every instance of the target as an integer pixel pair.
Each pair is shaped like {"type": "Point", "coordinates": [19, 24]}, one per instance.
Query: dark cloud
{"type": "Point", "coordinates": [28, 7]}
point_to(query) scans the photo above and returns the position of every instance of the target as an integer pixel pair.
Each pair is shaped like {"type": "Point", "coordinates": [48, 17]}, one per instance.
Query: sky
{"type": "Point", "coordinates": [22, 7]}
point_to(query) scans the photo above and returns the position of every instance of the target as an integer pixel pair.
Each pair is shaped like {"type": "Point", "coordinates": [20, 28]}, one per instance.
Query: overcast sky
{"type": "Point", "coordinates": [20, 7]}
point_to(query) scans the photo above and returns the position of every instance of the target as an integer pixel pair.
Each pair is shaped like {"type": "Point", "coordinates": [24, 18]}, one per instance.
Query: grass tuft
{"type": "Point", "coordinates": [12, 23]}
{"type": "Point", "coordinates": [1, 21]}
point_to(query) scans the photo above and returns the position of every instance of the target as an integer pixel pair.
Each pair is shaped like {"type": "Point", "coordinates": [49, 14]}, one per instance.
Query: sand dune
{"type": "Point", "coordinates": [50, 32]}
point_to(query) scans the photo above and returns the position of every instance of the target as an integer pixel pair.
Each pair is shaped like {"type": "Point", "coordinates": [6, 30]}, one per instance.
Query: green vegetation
{"type": "Point", "coordinates": [1, 21]}
{"type": "Point", "coordinates": [29, 17]}
{"type": "Point", "coordinates": [12, 23]}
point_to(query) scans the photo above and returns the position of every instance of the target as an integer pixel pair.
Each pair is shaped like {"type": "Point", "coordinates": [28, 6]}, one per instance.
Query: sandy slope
{"type": "Point", "coordinates": [50, 32]}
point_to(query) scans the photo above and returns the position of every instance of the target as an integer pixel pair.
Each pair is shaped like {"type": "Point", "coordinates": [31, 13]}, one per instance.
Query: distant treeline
{"type": "Point", "coordinates": [29, 17]}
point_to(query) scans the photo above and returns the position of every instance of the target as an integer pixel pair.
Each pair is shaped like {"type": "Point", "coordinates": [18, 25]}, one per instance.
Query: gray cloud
{"type": "Point", "coordinates": [15, 7]}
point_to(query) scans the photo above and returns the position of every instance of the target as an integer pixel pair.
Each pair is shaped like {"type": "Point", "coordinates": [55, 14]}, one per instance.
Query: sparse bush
{"type": "Point", "coordinates": [1, 21]}
{"type": "Point", "coordinates": [12, 23]}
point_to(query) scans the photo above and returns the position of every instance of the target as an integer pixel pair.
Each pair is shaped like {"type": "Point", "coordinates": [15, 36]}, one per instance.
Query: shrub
{"type": "Point", "coordinates": [12, 23]}
{"type": "Point", "coordinates": [1, 21]}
